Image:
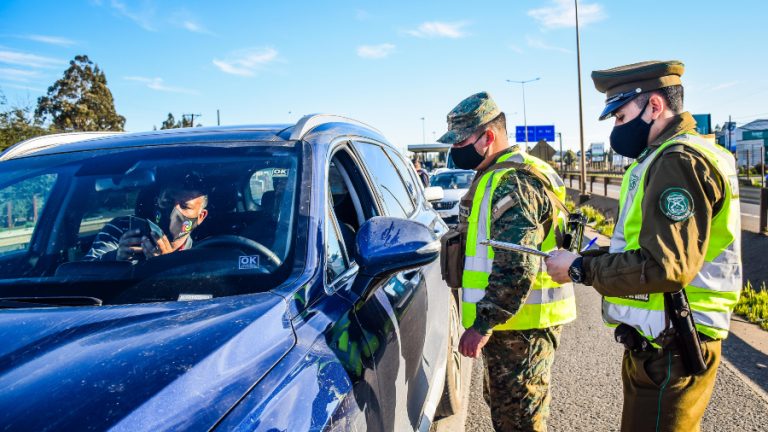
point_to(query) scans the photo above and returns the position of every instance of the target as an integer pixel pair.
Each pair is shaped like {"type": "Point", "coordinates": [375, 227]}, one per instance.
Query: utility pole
{"type": "Point", "coordinates": [423, 132]}
{"type": "Point", "coordinates": [192, 119]}
{"type": "Point", "coordinates": [218, 118]}
{"type": "Point", "coordinates": [525, 117]}
{"type": "Point", "coordinates": [560, 136]}
{"type": "Point", "coordinates": [583, 163]}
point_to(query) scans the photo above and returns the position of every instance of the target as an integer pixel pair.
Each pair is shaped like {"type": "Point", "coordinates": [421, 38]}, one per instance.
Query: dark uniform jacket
{"type": "Point", "coordinates": [671, 253]}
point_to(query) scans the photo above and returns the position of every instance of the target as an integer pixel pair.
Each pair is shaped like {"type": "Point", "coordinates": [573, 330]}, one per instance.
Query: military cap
{"type": "Point", "coordinates": [468, 115]}
{"type": "Point", "coordinates": [621, 84]}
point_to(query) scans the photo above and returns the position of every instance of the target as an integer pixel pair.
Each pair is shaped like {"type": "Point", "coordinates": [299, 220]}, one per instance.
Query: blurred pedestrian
{"type": "Point", "coordinates": [423, 174]}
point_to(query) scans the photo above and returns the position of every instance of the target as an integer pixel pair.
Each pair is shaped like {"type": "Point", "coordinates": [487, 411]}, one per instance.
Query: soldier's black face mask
{"type": "Point", "coordinates": [467, 157]}
{"type": "Point", "coordinates": [631, 138]}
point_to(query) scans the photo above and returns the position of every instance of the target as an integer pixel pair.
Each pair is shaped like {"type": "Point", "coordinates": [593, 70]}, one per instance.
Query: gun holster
{"type": "Point", "coordinates": [452, 256]}
{"type": "Point", "coordinates": [688, 340]}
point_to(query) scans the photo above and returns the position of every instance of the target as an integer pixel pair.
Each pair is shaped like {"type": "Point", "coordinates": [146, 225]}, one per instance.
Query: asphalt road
{"type": "Point", "coordinates": [586, 389]}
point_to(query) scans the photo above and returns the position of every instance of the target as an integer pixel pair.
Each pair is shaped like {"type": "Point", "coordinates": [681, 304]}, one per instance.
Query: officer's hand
{"type": "Point", "coordinates": [129, 245]}
{"type": "Point", "coordinates": [472, 343]}
{"type": "Point", "coordinates": [558, 263]}
{"type": "Point", "coordinates": [153, 249]}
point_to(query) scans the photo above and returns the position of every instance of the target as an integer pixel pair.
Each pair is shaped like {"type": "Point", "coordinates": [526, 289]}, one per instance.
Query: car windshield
{"type": "Point", "coordinates": [453, 180]}
{"type": "Point", "coordinates": [225, 216]}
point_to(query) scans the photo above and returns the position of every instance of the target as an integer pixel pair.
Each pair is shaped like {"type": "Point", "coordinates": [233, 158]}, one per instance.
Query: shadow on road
{"type": "Point", "coordinates": [748, 360]}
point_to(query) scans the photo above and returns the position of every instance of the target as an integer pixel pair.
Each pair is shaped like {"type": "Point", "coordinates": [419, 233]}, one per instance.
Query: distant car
{"type": "Point", "coordinates": [311, 298]}
{"type": "Point", "coordinates": [455, 184]}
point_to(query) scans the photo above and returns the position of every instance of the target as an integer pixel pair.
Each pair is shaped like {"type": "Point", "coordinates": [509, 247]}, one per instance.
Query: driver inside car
{"type": "Point", "coordinates": [177, 212]}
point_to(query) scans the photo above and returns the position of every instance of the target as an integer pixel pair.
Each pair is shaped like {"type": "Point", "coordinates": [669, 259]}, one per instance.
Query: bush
{"type": "Point", "coordinates": [753, 304]}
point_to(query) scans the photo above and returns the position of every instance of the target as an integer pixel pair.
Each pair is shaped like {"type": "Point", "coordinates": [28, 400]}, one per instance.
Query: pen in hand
{"type": "Point", "coordinates": [589, 245]}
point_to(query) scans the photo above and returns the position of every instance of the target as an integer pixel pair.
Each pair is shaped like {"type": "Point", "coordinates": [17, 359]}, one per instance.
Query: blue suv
{"type": "Point", "coordinates": [309, 298]}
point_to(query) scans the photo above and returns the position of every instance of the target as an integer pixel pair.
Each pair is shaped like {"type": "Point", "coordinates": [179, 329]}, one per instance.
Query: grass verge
{"type": "Point", "coordinates": [753, 304]}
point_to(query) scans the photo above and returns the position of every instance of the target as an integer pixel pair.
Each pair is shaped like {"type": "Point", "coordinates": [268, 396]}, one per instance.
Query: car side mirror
{"type": "Point", "coordinates": [387, 245]}
{"type": "Point", "coordinates": [434, 193]}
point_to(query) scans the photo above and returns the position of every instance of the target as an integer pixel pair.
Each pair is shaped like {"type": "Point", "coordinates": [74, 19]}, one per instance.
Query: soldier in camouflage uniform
{"type": "Point", "coordinates": [519, 345]}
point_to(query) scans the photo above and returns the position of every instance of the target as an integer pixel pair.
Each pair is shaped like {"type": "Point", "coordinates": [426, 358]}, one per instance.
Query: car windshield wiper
{"type": "Point", "coordinates": [34, 302]}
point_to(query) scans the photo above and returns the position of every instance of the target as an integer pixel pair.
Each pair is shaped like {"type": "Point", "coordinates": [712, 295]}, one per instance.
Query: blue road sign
{"type": "Point", "coordinates": [535, 133]}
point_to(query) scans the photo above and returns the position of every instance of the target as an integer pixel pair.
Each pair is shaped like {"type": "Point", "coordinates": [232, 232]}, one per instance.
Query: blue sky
{"type": "Point", "coordinates": [386, 63]}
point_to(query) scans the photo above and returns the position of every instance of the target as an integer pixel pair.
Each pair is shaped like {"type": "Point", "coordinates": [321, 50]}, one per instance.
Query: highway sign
{"type": "Point", "coordinates": [535, 133]}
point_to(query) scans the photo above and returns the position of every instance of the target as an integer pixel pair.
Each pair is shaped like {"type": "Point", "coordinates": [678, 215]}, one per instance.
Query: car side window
{"type": "Point", "coordinates": [387, 182]}
{"type": "Point", "coordinates": [336, 260]}
{"type": "Point", "coordinates": [407, 173]}
{"type": "Point", "coordinates": [21, 205]}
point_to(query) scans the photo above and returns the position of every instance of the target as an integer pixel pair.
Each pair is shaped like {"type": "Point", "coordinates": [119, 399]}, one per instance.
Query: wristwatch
{"type": "Point", "coordinates": [575, 271]}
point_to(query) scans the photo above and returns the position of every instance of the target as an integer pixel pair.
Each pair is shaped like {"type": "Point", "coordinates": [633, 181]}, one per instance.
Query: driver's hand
{"type": "Point", "coordinates": [129, 245]}
{"type": "Point", "coordinates": [153, 249]}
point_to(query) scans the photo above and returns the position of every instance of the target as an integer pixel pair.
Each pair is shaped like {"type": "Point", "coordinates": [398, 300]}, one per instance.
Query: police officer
{"type": "Point", "coordinates": [510, 307]}
{"type": "Point", "coordinates": [678, 229]}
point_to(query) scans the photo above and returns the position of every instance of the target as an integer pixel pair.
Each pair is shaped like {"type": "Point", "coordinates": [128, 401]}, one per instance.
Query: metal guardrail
{"type": "Point", "coordinates": [605, 178]}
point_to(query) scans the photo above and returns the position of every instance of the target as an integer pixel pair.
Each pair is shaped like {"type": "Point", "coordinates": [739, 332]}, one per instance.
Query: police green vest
{"type": "Point", "coordinates": [715, 290]}
{"type": "Point", "coordinates": [549, 303]}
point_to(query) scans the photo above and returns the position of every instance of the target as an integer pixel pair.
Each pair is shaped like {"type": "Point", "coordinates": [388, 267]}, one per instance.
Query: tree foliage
{"type": "Point", "coordinates": [171, 123]}
{"type": "Point", "coordinates": [80, 100]}
{"type": "Point", "coordinates": [17, 124]}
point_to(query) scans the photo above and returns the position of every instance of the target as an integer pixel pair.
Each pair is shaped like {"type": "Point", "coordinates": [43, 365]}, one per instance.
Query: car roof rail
{"type": "Point", "coordinates": [35, 144]}
{"type": "Point", "coordinates": [309, 122]}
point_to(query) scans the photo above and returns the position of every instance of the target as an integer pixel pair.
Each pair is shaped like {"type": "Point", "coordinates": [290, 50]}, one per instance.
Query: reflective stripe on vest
{"type": "Point", "coordinates": [714, 291]}
{"type": "Point", "coordinates": [548, 303]}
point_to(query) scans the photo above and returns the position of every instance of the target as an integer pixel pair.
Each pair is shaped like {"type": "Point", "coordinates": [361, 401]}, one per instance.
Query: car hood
{"type": "Point", "coordinates": [453, 194]}
{"type": "Point", "coordinates": [163, 366]}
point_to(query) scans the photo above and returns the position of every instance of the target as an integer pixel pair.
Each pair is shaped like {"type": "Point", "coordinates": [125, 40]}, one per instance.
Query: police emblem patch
{"type": "Point", "coordinates": [676, 204]}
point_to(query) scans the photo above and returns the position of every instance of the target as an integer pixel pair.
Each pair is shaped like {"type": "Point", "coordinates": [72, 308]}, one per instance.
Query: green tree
{"type": "Point", "coordinates": [17, 124]}
{"type": "Point", "coordinates": [170, 123]}
{"type": "Point", "coordinates": [569, 158]}
{"type": "Point", "coordinates": [80, 100]}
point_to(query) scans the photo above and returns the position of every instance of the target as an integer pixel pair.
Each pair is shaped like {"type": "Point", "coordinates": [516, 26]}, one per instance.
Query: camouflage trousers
{"type": "Point", "coordinates": [517, 375]}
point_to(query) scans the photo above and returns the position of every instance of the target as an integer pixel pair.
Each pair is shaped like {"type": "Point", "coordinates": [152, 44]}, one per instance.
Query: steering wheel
{"type": "Point", "coordinates": [244, 243]}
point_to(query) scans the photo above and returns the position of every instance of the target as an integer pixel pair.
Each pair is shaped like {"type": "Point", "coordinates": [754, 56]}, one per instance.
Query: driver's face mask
{"type": "Point", "coordinates": [174, 224]}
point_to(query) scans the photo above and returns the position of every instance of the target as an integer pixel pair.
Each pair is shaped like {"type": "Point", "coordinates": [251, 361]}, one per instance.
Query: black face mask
{"type": "Point", "coordinates": [466, 157]}
{"type": "Point", "coordinates": [631, 138]}
{"type": "Point", "coordinates": [165, 217]}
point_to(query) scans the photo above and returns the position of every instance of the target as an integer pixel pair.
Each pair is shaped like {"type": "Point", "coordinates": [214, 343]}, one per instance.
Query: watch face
{"type": "Point", "coordinates": [575, 273]}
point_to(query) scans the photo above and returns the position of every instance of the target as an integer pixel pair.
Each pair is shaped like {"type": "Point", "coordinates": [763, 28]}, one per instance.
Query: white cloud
{"type": "Point", "coordinates": [159, 85]}
{"type": "Point", "coordinates": [24, 87]}
{"type": "Point", "coordinates": [246, 62]}
{"type": "Point", "coordinates": [375, 51]}
{"type": "Point", "coordinates": [143, 18]}
{"type": "Point", "coordinates": [18, 75]}
{"type": "Point", "coordinates": [540, 44]}
{"type": "Point", "coordinates": [195, 27]}
{"type": "Point", "coordinates": [436, 29]}
{"type": "Point", "coordinates": [724, 86]}
{"type": "Point", "coordinates": [28, 60]}
{"type": "Point", "coordinates": [51, 40]}
{"type": "Point", "coordinates": [563, 14]}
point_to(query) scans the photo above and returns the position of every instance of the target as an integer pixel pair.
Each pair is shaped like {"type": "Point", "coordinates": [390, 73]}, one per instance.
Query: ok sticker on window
{"type": "Point", "coordinates": [280, 172]}
{"type": "Point", "coordinates": [248, 262]}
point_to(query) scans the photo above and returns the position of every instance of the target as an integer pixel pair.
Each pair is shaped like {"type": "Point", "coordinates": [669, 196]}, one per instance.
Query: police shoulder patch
{"type": "Point", "coordinates": [676, 204]}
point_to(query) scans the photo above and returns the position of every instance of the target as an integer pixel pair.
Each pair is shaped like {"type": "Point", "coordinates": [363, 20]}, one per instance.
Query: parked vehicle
{"type": "Point", "coordinates": [455, 184]}
{"type": "Point", "coordinates": [310, 300]}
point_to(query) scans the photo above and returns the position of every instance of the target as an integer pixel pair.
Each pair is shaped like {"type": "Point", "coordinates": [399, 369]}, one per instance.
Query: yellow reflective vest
{"type": "Point", "coordinates": [549, 303]}
{"type": "Point", "coordinates": [715, 290]}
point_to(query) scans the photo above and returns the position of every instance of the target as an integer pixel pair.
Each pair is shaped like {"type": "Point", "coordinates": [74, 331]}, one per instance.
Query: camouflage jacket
{"type": "Point", "coordinates": [513, 274]}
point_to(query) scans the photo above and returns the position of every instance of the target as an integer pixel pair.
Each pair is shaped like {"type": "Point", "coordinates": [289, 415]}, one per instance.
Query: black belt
{"type": "Point", "coordinates": [635, 342]}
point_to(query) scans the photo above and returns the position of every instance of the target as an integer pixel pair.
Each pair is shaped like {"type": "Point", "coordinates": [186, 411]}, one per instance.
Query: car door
{"type": "Point", "coordinates": [401, 301]}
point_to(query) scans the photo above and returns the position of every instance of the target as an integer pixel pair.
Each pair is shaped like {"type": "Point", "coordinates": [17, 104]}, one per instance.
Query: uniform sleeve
{"type": "Point", "coordinates": [512, 274]}
{"type": "Point", "coordinates": [681, 195]}
{"type": "Point", "coordinates": [104, 247]}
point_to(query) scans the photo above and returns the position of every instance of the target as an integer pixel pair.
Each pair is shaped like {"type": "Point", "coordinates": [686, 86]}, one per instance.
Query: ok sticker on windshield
{"type": "Point", "coordinates": [248, 262]}
{"type": "Point", "coordinates": [280, 172]}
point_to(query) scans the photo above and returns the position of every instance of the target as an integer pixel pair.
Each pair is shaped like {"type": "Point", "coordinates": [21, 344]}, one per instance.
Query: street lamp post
{"type": "Point", "coordinates": [423, 132]}
{"type": "Point", "coordinates": [525, 118]}
{"type": "Point", "coordinates": [560, 137]}
{"type": "Point", "coordinates": [583, 162]}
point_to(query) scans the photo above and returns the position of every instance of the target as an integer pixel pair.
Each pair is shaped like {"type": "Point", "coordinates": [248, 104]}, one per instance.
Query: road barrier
{"type": "Point", "coordinates": [606, 178]}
